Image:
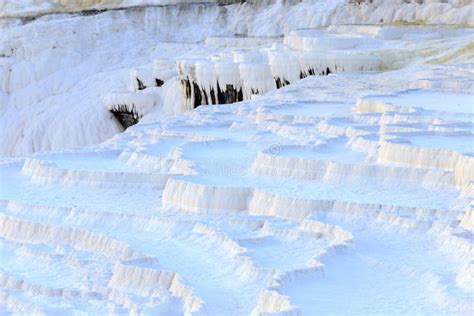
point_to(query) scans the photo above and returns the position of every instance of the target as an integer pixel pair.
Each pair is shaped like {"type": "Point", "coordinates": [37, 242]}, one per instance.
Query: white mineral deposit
{"type": "Point", "coordinates": [236, 157]}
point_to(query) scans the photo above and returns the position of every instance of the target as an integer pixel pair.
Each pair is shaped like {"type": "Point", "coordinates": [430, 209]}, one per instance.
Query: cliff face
{"type": "Point", "coordinates": [279, 15]}
{"type": "Point", "coordinates": [40, 7]}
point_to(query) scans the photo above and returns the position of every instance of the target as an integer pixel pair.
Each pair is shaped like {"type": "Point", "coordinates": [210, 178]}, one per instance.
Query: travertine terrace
{"type": "Point", "coordinates": [270, 157]}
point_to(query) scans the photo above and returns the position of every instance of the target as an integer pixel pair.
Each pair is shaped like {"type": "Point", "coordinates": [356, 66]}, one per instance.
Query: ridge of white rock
{"type": "Point", "coordinates": [145, 281]}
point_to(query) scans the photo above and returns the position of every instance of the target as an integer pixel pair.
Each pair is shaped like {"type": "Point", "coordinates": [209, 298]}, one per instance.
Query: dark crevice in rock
{"type": "Point", "coordinates": [205, 97]}
{"type": "Point", "coordinates": [186, 84]}
{"type": "Point", "coordinates": [213, 97]}
{"type": "Point", "coordinates": [221, 98]}
{"type": "Point", "coordinates": [197, 95]}
{"type": "Point", "coordinates": [159, 82]}
{"type": "Point", "coordinates": [233, 95]}
{"type": "Point", "coordinates": [255, 91]}
{"type": "Point", "coordinates": [280, 83]}
{"type": "Point", "coordinates": [141, 85]}
{"type": "Point", "coordinates": [229, 95]}
{"type": "Point", "coordinates": [312, 72]}
{"type": "Point", "coordinates": [125, 115]}
{"type": "Point", "coordinates": [27, 19]}
{"type": "Point", "coordinates": [92, 12]}
{"type": "Point", "coordinates": [228, 2]}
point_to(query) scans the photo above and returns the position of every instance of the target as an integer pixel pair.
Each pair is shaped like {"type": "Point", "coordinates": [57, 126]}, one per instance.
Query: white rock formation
{"type": "Point", "coordinates": [340, 183]}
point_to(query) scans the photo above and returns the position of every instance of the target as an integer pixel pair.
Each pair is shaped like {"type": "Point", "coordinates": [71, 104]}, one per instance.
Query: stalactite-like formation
{"type": "Point", "coordinates": [125, 115]}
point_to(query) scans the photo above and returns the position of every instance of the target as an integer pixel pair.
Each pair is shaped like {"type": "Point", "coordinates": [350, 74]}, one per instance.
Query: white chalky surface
{"type": "Point", "coordinates": [348, 193]}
